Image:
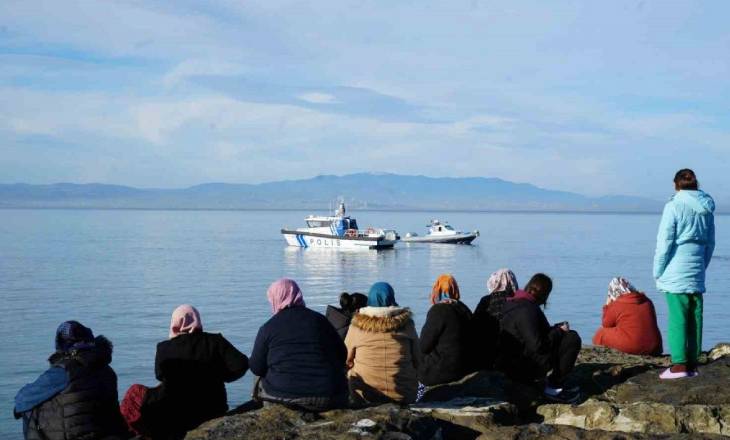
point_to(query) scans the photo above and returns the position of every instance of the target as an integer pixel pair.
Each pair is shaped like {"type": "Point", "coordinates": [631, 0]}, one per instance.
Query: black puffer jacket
{"type": "Point", "coordinates": [526, 340]}
{"type": "Point", "coordinates": [88, 409]}
{"type": "Point", "coordinates": [340, 320]}
{"type": "Point", "coordinates": [485, 328]}
{"type": "Point", "coordinates": [445, 344]}
{"type": "Point", "coordinates": [193, 369]}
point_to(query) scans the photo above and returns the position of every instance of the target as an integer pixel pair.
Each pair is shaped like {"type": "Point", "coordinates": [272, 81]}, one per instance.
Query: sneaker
{"type": "Point", "coordinates": [694, 373]}
{"type": "Point", "coordinates": [668, 374]}
{"type": "Point", "coordinates": [562, 395]}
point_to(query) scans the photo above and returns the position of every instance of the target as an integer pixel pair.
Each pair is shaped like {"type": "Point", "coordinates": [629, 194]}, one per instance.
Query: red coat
{"type": "Point", "coordinates": [629, 325]}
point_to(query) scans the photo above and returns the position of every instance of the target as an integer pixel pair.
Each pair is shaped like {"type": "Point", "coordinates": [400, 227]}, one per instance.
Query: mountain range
{"type": "Point", "coordinates": [362, 190]}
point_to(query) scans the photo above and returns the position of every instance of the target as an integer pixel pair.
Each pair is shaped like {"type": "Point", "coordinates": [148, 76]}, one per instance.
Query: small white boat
{"type": "Point", "coordinates": [441, 232]}
{"type": "Point", "coordinates": [339, 231]}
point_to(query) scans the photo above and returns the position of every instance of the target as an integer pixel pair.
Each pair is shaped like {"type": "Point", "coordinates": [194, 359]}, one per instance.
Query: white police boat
{"type": "Point", "coordinates": [441, 232]}
{"type": "Point", "coordinates": [339, 231]}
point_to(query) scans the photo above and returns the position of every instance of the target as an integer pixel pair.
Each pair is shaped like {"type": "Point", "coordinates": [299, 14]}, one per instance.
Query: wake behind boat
{"type": "Point", "coordinates": [339, 231]}
{"type": "Point", "coordinates": [441, 232]}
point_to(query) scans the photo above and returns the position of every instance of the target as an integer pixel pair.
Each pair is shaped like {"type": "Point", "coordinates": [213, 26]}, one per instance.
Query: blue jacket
{"type": "Point", "coordinates": [298, 353]}
{"type": "Point", "coordinates": [685, 243]}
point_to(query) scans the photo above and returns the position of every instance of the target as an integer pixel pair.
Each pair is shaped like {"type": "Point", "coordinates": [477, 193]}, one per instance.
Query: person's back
{"type": "Point", "coordinates": [298, 354]}
{"type": "Point", "coordinates": [193, 368]}
{"type": "Point", "coordinates": [385, 343]}
{"type": "Point", "coordinates": [530, 348]}
{"type": "Point", "coordinates": [76, 398]}
{"type": "Point", "coordinates": [685, 243]}
{"type": "Point", "coordinates": [382, 350]}
{"type": "Point", "coordinates": [445, 344]}
{"type": "Point", "coordinates": [629, 325]}
{"type": "Point", "coordinates": [485, 322]}
{"type": "Point", "coordinates": [524, 340]}
{"type": "Point", "coordinates": [446, 337]}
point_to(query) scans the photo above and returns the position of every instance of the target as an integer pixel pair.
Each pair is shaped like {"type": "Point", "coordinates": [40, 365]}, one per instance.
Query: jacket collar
{"type": "Point", "coordinates": [382, 319]}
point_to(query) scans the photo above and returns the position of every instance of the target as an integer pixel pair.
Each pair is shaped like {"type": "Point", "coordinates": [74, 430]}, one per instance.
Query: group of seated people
{"type": "Point", "coordinates": [365, 352]}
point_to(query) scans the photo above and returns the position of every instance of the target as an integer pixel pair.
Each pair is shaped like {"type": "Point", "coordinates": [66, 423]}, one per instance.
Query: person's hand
{"type": "Point", "coordinates": [349, 364]}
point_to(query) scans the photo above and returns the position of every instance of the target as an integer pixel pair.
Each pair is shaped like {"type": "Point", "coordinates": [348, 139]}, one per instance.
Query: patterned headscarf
{"type": "Point", "coordinates": [619, 286]}
{"type": "Point", "coordinates": [445, 288]}
{"type": "Point", "coordinates": [381, 294]}
{"type": "Point", "coordinates": [185, 319]}
{"type": "Point", "coordinates": [284, 293]}
{"type": "Point", "coordinates": [72, 335]}
{"type": "Point", "coordinates": [502, 280]}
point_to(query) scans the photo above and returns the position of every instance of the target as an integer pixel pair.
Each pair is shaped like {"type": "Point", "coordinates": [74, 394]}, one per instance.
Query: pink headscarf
{"type": "Point", "coordinates": [501, 280]}
{"type": "Point", "coordinates": [284, 293]}
{"type": "Point", "coordinates": [185, 319]}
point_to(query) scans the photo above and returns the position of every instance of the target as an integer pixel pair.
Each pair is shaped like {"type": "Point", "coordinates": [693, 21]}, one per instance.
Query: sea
{"type": "Point", "coordinates": [122, 272]}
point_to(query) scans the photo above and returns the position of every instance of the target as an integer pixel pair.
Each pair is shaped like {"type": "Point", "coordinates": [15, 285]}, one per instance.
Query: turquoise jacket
{"type": "Point", "coordinates": [685, 243]}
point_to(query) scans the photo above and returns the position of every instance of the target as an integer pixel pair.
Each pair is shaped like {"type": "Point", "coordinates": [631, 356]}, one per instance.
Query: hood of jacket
{"type": "Point", "coordinates": [382, 319]}
{"type": "Point", "coordinates": [699, 201]}
{"type": "Point", "coordinates": [98, 355]}
{"type": "Point", "coordinates": [632, 298]}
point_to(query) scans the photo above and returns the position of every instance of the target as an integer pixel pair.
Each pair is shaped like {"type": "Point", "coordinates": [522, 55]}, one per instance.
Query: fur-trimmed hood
{"type": "Point", "coordinates": [382, 319]}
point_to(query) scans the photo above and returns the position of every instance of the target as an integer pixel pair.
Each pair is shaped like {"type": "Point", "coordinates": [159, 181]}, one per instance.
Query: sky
{"type": "Point", "coordinates": [592, 97]}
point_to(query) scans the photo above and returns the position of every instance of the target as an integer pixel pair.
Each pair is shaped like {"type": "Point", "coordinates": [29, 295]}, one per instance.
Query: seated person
{"type": "Point", "coordinates": [445, 337]}
{"type": "Point", "coordinates": [629, 321]}
{"type": "Point", "coordinates": [529, 347]}
{"type": "Point", "coordinates": [501, 285]}
{"type": "Point", "coordinates": [193, 367]}
{"type": "Point", "coordinates": [341, 317]}
{"type": "Point", "coordinates": [76, 398]}
{"type": "Point", "coordinates": [298, 355]}
{"type": "Point", "coordinates": [382, 350]}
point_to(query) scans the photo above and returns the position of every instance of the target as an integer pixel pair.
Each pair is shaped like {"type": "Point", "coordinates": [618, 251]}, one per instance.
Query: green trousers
{"type": "Point", "coordinates": [685, 327]}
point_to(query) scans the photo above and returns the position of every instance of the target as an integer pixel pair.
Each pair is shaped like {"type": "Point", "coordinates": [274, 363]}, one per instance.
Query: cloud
{"type": "Point", "coordinates": [176, 94]}
{"type": "Point", "coordinates": [318, 98]}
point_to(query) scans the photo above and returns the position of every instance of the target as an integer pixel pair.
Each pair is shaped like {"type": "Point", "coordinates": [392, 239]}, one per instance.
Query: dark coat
{"type": "Point", "coordinates": [298, 353]}
{"type": "Point", "coordinates": [193, 369]}
{"type": "Point", "coordinates": [340, 320]}
{"type": "Point", "coordinates": [485, 328]}
{"type": "Point", "coordinates": [445, 344]}
{"type": "Point", "coordinates": [86, 408]}
{"type": "Point", "coordinates": [527, 342]}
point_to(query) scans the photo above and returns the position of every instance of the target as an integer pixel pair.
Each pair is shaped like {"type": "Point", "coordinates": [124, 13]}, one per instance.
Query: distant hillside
{"type": "Point", "coordinates": [364, 190]}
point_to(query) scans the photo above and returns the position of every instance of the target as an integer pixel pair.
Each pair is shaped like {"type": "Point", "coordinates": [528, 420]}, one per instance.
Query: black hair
{"type": "Point", "coordinates": [540, 286]}
{"type": "Point", "coordinates": [686, 179]}
{"type": "Point", "coordinates": [352, 302]}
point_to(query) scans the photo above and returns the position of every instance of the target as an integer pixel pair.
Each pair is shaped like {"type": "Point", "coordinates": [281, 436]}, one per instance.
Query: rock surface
{"type": "Point", "coordinates": [623, 399]}
{"type": "Point", "coordinates": [645, 404]}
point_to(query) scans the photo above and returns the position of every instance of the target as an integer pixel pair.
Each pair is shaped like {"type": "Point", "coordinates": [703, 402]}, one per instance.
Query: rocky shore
{"type": "Point", "coordinates": [622, 399]}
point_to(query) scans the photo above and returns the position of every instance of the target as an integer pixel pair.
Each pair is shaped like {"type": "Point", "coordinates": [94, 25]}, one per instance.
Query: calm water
{"type": "Point", "coordinates": [123, 272]}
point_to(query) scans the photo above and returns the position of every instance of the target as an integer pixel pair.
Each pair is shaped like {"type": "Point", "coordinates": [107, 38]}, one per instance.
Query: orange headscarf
{"type": "Point", "coordinates": [445, 285]}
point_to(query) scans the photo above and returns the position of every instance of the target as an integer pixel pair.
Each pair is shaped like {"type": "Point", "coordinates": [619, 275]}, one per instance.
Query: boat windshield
{"type": "Point", "coordinates": [319, 223]}
{"type": "Point", "coordinates": [352, 224]}
{"type": "Point", "coordinates": [448, 227]}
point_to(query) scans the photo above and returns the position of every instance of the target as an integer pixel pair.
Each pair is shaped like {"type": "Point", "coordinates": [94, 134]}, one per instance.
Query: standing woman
{"type": "Point", "coordinates": [685, 243]}
{"type": "Point", "coordinates": [445, 336]}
